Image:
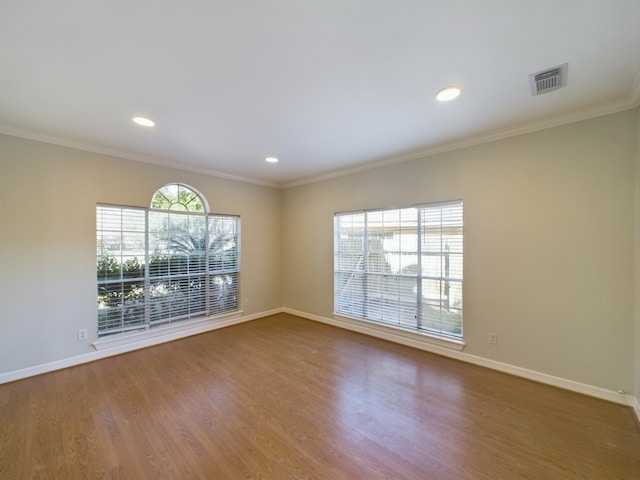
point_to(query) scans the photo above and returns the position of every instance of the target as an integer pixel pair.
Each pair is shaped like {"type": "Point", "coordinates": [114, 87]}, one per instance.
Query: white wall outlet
{"type": "Point", "coordinates": [83, 334]}
{"type": "Point", "coordinates": [493, 338]}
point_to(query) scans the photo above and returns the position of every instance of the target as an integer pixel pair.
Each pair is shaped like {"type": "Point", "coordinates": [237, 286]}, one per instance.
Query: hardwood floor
{"type": "Point", "coordinates": [287, 398]}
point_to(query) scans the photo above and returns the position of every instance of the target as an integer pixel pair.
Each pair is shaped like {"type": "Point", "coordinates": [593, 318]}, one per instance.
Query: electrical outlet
{"type": "Point", "coordinates": [83, 334]}
{"type": "Point", "coordinates": [493, 338]}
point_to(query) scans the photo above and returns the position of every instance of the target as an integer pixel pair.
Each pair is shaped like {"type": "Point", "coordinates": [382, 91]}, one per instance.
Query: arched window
{"type": "Point", "coordinates": [178, 197]}
{"type": "Point", "coordinates": [165, 264]}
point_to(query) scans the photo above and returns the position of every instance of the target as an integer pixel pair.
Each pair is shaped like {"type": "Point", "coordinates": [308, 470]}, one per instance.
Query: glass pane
{"type": "Point", "coordinates": [223, 293]}
{"type": "Point", "coordinates": [391, 299]}
{"type": "Point", "coordinates": [120, 242]}
{"type": "Point", "coordinates": [177, 242]}
{"type": "Point", "coordinates": [349, 237]}
{"type": "Point", "coordinates": [223, 248]}
{"type": "Point", "coordinates": [177, 197]}
{"type": "Point", "coordinates": [442, 306]}
{"type": "Point", "coordinates": [120, 305]}
{"type": "Point", "coordinates": [349, 293]}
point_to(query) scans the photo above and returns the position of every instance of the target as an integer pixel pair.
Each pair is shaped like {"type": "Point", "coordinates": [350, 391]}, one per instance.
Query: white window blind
{"type": "Point", "coordinates": [160, 266]}
{"type": "Point", "coordinates": [401, 266]}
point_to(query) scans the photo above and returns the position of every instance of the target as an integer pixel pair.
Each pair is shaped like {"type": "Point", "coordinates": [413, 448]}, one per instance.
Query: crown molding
{"type": "Point", "coordinates": [631, 101]}
{"type": "Point", "coordinates": [123, 154]}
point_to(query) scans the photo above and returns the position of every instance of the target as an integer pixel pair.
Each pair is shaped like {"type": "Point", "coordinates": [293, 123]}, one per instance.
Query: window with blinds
{"type": "Point", "coordinates": [401, 266]}
{"type": "Point", "coordinates": [163, 265]}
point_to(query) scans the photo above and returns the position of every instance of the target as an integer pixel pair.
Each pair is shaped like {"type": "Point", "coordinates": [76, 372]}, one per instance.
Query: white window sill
{"type": "Point", "coordinates": [398, 334]}
{"type": "Point", "coordinates": [167, 333]}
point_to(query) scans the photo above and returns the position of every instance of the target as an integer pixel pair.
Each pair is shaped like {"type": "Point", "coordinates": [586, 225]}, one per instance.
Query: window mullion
{"type": "Point", "coordinates": [207, 257]}
{"type": "Point", "coordinates": [447, 261]}
{"type": "Point", "coordinates": [365, 263]}
{"type": "Point", "coordinates": [419, 272]}
{"type": "Point", "coordinates": [147, 281]}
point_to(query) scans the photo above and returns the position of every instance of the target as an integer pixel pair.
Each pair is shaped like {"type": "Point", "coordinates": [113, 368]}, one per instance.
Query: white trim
{"type": "Point", "coordinates": [123, 154]}
{"type": "Point", "coordinates": [405, 336]}
{"type": "Point", "coordinates": [166, 332]}
{"type": "Point", "coordinates": [616, 106]}
{"type": "Point", "coordinates": [457, 354]}
{"type": "Point", "coordinates": [134, 342]}
{"type": "Point", "coordinates": [632, 100]}
{"type": "Point", "coordinates": [636, 407]}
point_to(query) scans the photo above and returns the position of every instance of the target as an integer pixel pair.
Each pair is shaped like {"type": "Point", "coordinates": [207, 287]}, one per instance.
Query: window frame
{"type": "Point", "coordinates": [388, 279]}
{"type": "Point", "coordinates": [211, 277]}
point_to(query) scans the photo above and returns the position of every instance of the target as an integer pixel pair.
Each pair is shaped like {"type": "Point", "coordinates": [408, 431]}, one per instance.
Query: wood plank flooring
{"type": "Point", "coordinates": [288, 398]}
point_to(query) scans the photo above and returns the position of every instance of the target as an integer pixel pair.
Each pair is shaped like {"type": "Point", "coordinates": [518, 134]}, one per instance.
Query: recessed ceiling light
{"type": "Point", "coordinates": [271, 160]}
{"type": "Point", "coordinates": [447, 93]}
{"type": "Point", "coordinates": [143, 121]}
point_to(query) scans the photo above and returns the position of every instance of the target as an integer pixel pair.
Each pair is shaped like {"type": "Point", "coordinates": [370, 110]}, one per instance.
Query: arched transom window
{"type": "Point", "coordinates": [178, 197]}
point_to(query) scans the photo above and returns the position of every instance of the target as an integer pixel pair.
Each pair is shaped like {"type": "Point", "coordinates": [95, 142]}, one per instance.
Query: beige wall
{"type": "Point", "coordinates": [48, 196]}
{"type": "Point", "coordinates": [549, 243]}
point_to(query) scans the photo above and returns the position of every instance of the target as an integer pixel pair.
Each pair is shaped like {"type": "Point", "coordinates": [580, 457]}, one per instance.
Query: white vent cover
{"type": "Point", "coordinates": [548, 80]}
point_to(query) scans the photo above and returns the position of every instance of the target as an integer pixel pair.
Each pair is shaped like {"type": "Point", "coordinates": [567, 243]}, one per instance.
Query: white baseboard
{"type": "Point", "coordinates": [417, 341]}
{"type": "Point", "coordinates": [132, 342]}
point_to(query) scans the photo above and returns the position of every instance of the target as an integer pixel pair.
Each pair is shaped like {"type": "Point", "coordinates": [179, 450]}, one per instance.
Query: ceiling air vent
{"type": "Point", "coordinates": [548, 80]}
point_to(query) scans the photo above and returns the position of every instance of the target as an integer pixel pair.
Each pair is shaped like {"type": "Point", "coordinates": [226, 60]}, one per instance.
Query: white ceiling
{"type": "Point", "coordinates": [327, 86]}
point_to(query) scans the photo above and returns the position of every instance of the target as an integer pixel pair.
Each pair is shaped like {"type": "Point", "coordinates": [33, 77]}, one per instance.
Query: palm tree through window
{"type": "Point", "coordinates": [169, 263]}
